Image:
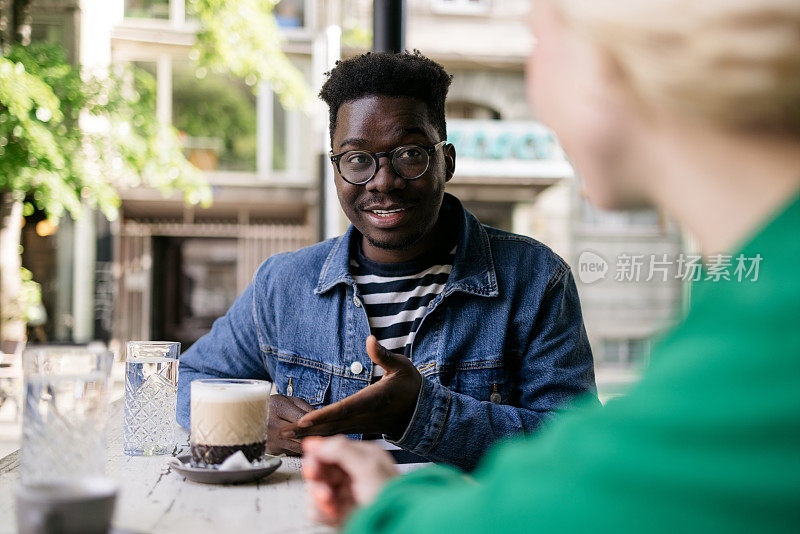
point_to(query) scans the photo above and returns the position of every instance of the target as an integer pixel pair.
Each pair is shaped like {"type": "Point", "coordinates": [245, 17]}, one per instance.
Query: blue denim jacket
{"type": "Point", "coordinates": [508, 322]}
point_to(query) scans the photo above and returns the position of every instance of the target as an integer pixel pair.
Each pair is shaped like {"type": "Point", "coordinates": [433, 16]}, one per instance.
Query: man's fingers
{"type": "Point", "coordinates": [356, 424]}
{"type": "Point", "coordinates": [331, 429]}
{"type": "Point", "coordinates": [277, 443]}
{"type": "Point", "coordinates": [383, 357]}
{"type": "Point", "coordinates": [285, 408]}
{"type": "Point", "coordinates": [344, 409]}
{"type": "Point", "coordinates": [337, 411]}
{"type": "Point", "coordinates": [302, 405]}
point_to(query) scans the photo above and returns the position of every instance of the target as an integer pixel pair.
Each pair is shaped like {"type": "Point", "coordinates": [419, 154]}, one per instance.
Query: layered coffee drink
{"type": "Point", "coordinates": [228, 415]}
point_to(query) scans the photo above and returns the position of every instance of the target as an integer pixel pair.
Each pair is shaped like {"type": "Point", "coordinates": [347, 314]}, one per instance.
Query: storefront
{"type": "Point", "coordinates": [178, 269]}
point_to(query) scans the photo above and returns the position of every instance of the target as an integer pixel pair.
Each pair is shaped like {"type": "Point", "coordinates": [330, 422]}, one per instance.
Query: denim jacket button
{"type": "Point", "coordinates": [495, 398]}
{"type": "Point", "coordinates": [356, 368]}
{"type": "Point", "coordinates": [357, 302]}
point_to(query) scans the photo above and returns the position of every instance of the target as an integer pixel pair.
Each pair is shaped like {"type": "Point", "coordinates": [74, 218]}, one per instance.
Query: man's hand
{"type": "Point", "coordinates": [384, 407]}
{"type": "Point", "coordinates": [343, 474]}
{"type": "Point", "coordinates": [283, 412]}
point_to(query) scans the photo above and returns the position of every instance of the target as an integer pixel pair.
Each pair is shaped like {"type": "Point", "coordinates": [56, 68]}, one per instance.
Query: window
{"type": "Point", "coordinates": [225, 127]}
{"type": "Point", "coordinates": [630, 352]}
{"type": "Point", "coordinates": [216, 117]}
{"type": "Point", "coordinates": [461, 7]}
{"type": "Point", "coordinates": [55, 26]}
{"type": "Point", "coordinates": [147, 9]}
{"type": "Point", "coordinates": [48, 31]}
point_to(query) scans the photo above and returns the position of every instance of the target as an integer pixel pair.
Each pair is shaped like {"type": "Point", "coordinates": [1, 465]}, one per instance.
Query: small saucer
{"type": "Point", "coordinates": [207, 475]}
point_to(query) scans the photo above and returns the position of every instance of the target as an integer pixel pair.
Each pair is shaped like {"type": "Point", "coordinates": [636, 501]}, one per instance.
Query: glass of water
{"type": "Point", "coordinates": [151, 394]}
{"type": "Point", "coordinates": [65, 413]}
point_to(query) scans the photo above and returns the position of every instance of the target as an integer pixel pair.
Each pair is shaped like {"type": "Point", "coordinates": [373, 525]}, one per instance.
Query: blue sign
{"type": "Point", "coordinates": [503, 140]}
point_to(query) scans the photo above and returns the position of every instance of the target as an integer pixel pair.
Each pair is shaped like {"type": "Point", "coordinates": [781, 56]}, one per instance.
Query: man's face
{"type": "Point", "coordinates": [380, 124]}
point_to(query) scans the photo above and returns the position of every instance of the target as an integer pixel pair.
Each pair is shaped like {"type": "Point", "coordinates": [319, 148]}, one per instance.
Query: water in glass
{"type": "Point", "coordinates": [151, 386]}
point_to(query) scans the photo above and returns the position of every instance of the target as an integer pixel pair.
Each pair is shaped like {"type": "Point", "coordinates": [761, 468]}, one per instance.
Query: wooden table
{"type": "Point", "coordinates": [155, 499]}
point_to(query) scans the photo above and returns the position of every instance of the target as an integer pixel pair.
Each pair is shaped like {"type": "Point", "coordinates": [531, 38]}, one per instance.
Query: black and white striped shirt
{"type": "Point", "coordinates": [395, 295]}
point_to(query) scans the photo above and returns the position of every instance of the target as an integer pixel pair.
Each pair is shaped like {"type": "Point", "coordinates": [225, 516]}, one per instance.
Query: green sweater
{"type": "Point", "coordinates": [707, 441]}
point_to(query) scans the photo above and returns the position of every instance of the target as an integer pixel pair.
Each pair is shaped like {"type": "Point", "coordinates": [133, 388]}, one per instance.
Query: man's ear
{"type": "Point", "coordinates": [449, 161]}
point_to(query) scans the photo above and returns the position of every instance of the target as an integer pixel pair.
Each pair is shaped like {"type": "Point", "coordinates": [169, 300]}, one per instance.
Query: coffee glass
{"type": "Point", "coordinates": [228, 415]}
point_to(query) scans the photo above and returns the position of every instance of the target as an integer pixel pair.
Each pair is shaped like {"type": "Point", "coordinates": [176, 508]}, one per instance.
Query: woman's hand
{"type": "Point", "coordinates": [344, 474]}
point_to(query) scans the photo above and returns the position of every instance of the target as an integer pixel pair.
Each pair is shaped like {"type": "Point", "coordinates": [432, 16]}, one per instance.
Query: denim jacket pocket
{"type": "Point", "coordinates": [304, 379]}
{"type": "Point", "coordinates": [484, 380]}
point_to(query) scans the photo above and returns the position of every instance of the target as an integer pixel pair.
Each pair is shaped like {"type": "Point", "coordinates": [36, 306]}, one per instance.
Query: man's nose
{"type": "Point", "coordinates": [385, 178]}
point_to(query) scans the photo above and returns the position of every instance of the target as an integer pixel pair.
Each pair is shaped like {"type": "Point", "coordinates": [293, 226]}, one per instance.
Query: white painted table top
{"type": "Point", "coordinates": [153, 499]}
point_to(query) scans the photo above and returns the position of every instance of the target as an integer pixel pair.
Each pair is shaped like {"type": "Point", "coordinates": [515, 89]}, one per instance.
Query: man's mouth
{"type": "Point", "coordinates": [387, 216]}
{"type": "Point", "coordinates": [387, 213]}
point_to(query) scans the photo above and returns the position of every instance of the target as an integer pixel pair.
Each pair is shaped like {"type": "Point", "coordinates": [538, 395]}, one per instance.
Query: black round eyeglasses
{"type": "Point", "coordinates": [408, 161]}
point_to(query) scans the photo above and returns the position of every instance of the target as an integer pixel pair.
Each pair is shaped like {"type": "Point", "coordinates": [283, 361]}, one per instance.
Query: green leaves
{"type": "Point", "coordinates": [241, 37]}
{"type": "Point", "coordinates": [31, 298]}
{"type": "Point", "coordinates": [68, 141]}
{"type": "Point", "coordinates": [24, 138]}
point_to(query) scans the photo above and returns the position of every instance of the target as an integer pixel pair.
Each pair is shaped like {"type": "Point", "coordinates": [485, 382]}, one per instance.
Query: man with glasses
{"type": "Point", "coordinates": [419, 326]}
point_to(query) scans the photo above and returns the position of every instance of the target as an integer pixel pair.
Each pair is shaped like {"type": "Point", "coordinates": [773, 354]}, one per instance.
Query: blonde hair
{"type": "Point", "coordinates": [735, 63]}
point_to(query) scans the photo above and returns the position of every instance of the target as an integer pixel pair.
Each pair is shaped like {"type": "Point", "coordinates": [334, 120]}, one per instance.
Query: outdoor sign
{"type": "Point", "coordinates": [506, 148]}
{"type": "Point", "coordinates": [497, 139]}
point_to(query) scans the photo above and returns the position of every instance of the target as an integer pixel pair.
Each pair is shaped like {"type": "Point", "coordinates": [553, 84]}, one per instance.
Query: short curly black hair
{"type": "Point", "coordinates": [407, 74]}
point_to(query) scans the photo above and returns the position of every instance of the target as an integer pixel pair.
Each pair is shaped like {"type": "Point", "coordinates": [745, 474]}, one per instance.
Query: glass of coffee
{"type": "Point", "coordinates": [228, 415]}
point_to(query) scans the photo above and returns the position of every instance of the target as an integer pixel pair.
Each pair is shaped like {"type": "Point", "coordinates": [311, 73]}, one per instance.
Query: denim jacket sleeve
{"type": "Point", "coordinates": [556, 367]}
{"type": "Point", "coordinates": [229, 350]}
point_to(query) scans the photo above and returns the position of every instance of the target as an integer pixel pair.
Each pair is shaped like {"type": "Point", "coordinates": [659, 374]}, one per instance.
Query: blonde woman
{"type": "Point", "coordinates": [693, 106]}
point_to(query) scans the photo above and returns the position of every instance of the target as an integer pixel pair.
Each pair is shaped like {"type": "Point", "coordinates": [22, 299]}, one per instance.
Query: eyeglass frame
{"type": "Point", "coordinates": [376, 156]}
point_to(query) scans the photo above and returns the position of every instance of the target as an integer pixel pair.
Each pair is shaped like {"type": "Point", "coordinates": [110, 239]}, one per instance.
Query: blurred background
{"type": "Point", "coordinates": [175, 236]}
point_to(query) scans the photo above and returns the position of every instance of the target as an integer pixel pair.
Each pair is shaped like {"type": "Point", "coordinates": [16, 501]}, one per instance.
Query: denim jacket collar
{"type": "Point", "coordinates": [473, 268]}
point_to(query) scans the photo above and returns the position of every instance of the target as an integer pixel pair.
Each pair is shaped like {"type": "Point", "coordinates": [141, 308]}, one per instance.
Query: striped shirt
{"type": "Point", "coordinates": [395, 295]}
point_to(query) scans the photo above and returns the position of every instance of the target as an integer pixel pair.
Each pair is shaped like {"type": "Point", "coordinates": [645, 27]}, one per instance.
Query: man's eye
{"type": "Point", "coordinates": [410, 153]}
{"type": "Point", "coordinates": [357, 159]}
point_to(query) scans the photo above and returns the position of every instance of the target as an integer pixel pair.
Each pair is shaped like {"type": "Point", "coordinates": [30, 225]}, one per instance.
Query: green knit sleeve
{"type": "Point", "coordinates": [389, 513]}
